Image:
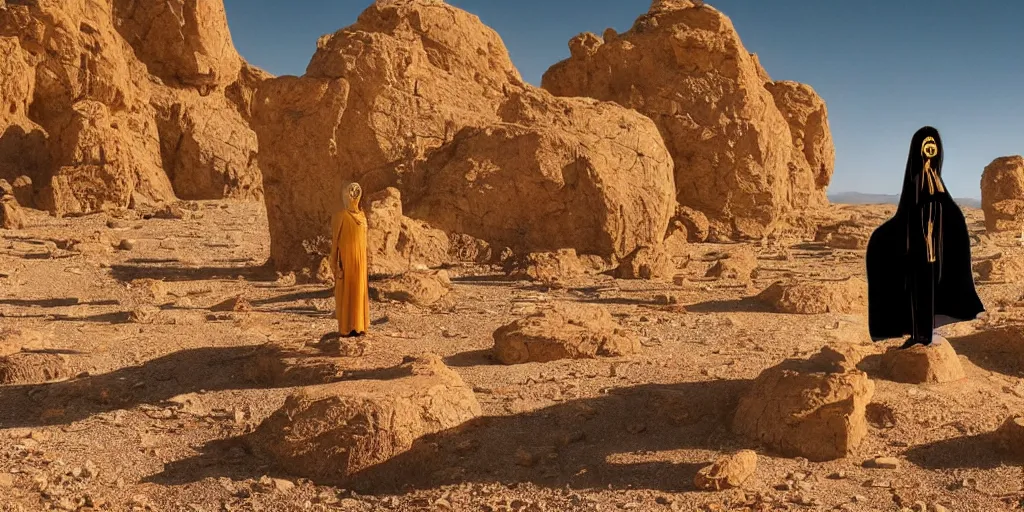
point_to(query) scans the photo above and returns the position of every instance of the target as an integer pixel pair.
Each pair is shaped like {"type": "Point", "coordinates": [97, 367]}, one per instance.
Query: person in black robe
{"type": "Point", "coordinates": [919, 262]}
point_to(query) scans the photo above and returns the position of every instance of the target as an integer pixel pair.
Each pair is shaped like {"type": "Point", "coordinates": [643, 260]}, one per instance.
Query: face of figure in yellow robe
{"type": "Point", "coordinates": [348, 262]}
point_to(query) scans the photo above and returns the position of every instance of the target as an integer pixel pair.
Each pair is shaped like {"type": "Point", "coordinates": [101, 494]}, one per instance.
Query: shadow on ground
{"type": "Point", "coordinates": [620, 440]}
{"type": "Point", "coordinates": [176, 274]}
{"type": "Point", "coordinates": [999, 350]}
{"type": "Point", "coordinates": [157, 380]}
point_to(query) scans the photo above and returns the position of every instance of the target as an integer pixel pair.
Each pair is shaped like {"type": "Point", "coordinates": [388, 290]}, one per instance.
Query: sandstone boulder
{"type": "Point", "coordinates": [818, 297]}
{"type": "Point", "coordinates": [1002, 194]}
{"type": "Point", "coordinates": [1010, 436]}
{"type": "Point", "coordinates": [580, 174]}
{"type": "Point", "coordinates": [283, 365]}
{"type": "Point", "coordinates": [846, 235]}
{"type": "Point", "coordinates": [329, 433]}
{"type": "Point", "coordinates": [770, 154]}
{"type": "Point", "coordinates": [813, 409]}
{"type": "Point", "coordinates": [739, 264]}
{"type": "Point", "coordinates": [549, 267]}
{"type": "Point", "coordinates": [419, 288]}
{"type": "Point", "coordinates": [932, 364]}
{"type": "Point", "coordinates": [422, 96]}
{"type": "Point", "coordinates": [647, 263]}
{"type": "Point", "coordinates": [563, 332]}
{"type": "Point", "coordinates": [11, 216]}
{"type": "Point", "coordinates": [396, 243]}
{"type": "Point", "coordinates": [728, 472]}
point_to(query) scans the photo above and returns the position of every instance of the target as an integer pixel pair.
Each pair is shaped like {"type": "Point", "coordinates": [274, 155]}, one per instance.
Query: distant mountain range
{"type": "Point", "coordinates": [859, 198]}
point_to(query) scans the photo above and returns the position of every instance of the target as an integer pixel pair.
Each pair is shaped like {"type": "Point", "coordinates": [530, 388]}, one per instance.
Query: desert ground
{"type": "Point", "coordinates": [153, 388]}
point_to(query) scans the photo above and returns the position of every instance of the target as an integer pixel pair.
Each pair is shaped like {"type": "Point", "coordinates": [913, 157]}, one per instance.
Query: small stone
{"type": "Point", "coordinates": [126, 244]}
{"type": "Point", "coordinates": [939, 508]}
{"type": "Point", "coordinates": [838, 475]}
{"type": "Point", "coordinates": [727, 472]}
{"type": "Point", "coordinates": [920, 506]}
{"type": "Point", "coordinates": [882, 463]}
{"type": "Point", "coordinates": [857, 498]}
{"type": "Point", "coordinates": [6, 480]}
{"type": "Point", "coordinates": [282, 485]}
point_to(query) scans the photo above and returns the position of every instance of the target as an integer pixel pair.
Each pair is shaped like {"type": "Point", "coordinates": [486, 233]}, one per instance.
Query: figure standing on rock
{"type": "Point", "coordinates": [919, 262]}
{"type": "Point", "coordinates": [348, 264]}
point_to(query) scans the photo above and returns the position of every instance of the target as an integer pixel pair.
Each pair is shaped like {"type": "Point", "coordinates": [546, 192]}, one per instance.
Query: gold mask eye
{"type": "Point", "coordinates": [929, 148]}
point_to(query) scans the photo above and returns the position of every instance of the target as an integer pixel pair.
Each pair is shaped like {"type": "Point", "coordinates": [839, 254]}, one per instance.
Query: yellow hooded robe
{"type": "Point", "coordinates": [348, 262]}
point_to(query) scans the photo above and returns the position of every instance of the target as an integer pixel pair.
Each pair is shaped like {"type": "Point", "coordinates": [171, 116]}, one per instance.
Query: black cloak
{"type": "Point", "coordinates": [919, 262]}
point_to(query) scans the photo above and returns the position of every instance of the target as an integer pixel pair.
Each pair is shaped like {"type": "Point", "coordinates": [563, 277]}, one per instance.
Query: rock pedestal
{"type": "Point", "coordinates": [932, 364]}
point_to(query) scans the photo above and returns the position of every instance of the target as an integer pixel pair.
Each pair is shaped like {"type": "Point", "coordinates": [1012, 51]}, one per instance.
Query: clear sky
{"type": "Point", "coordinates": [884, 68]}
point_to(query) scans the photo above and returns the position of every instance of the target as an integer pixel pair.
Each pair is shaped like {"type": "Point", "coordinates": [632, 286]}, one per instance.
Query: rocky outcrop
{"type": "Point", "coordinates": [422, 96]}
{"type": "Point", "coordinates": [95, 90]}
{"type": "Point", "coordinates": [563, 332]}
{"type": "Point", "coordinates": [419, 288]}
{"type": "Point", "coordinates": [746, 149]}
{"type": "Point", "coordinates": [814, 409]}
{"type": "Point", "coordinates": [329, 433]}
{"type": "Point", "coordinates": [1002, 194]}
{"type": "Point", "coordinates": [932, 364]}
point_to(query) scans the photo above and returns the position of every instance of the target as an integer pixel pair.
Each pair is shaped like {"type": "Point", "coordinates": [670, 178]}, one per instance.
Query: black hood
{"type": "Point", "coordinates": [925, 147]}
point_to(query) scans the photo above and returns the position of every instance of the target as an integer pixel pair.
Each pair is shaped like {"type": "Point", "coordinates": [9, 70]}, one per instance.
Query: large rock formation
{"type": "Point", "coordinates": [746, 149]}
{"type": "Point", "coordinates": [1002, 194]}
{"type": "Point", "coordinates": [422, 96]}
{"type": "Point", "coordinates": [93, 126]}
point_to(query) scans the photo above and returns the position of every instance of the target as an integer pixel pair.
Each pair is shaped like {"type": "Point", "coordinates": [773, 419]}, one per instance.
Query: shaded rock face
{"type": "Point", "coordinates": [1002, 194]}
{"type": "Point", "coordinates": [329, 433]}
{"type": "Point", "coordinates": [422, 96]}
{"type": "Point", "coordinates": [396, 243]}
{"type": "Point", "coordinates": [814, 409]}
{"type": "Point", "coordinates": [80, 102]}
{"type": "Point", "coordinates": [746, 150]}
{"type": "Point", "coordinates": [563, 332]}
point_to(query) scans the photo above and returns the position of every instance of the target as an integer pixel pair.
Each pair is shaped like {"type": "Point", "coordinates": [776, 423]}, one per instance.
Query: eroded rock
{"type": "Point", "coordinates": [739, 264]}
{"type": "Point", "coordinates": [396, 243]}
{"type": "Point", "coordinates": [33, 368]}
{"type": "Point", "coordinates": [818, 297]}
{"type": "Point", "coordinates": [563, 332]}
{"type": "Point", "coordinates": [329, 433]}
{"type": "Point", "coordinates": [813, 409]}
{"type": "Point", "coordinates": [1002, 194]}
{"type": "Point", "coordinates": [418, 287]}
{"type": "Point", "coordinates": [728, 472]}
{"type": "Point", "coordinates": [773, 154]}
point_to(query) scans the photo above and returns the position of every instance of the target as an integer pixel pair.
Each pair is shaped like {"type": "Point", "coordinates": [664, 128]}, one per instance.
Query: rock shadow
{"type": "Point", "coordinates": [745, 305]}
{"type": "Point", "coordinates": [157, 380]}
{"type": "Point", "coordinates": [999, 350]}
{"type": "Point", "coordinates": [616, 441]}
{"type": "Point", "coordinates": [482, 357]}
{"type": "Point", "coordinates": [980, 451]}
{"type": "Point", "coordinates": [124, 273]}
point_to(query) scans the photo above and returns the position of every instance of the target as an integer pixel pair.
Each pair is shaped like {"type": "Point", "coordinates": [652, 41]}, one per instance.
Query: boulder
{"type": "Point", "coordinates": [375, 98]}
{"type": "Point", "coordinates": [728, 472]}
{"type": "Point", "coordinates": [23, 191]}
{"type": "Point", "coordinates": [419, 288]}
{"type": "Point", "coordinates": [422, 96]}
{"type": "Point", "coordinates": [548, 267]}
{"type": "Point", "coordinates": [395, 243]}
{"type": "Point", "coordinates": [11, 216]}
{"type": "Point", "coordinates": [647, 263]}
{"type": "Point", "coordinates": [933, 364]}
{"type": "Point", "coordinates": [814, 409]}
{"type": "Point", "coordinates": [818, 297]}
{"type": "Point", "coordinates": [581, 174]}
{"type": "Point", "coordinates": [770, 154]}
{"type": "Point", "coordinates": [1010, 436]}
{"type": "Point", "coordinates": [563, 332]}
{"type": "Point", "coordinates": [331, 432]}
{"type": "Point", "coordinates": [1002, 194]}
{"type": "Point", "coordinates": [739, 264]}
{"type": "Point", "coordinates": [33, 368]}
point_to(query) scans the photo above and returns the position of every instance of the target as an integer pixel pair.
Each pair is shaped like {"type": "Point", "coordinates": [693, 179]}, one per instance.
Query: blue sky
{"type": "Point", "coordinates": [884, 68]}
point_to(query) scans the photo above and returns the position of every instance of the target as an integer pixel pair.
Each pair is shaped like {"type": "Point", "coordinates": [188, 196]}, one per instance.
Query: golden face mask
{"type": "Point", "coordinates": [354, 193]}
{"type": "Point", "coordinates": [929, 148]}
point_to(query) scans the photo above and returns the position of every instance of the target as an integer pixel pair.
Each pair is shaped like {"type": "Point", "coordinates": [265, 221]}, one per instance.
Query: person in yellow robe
{"type": "Point", "coordinates": [348, 263]}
